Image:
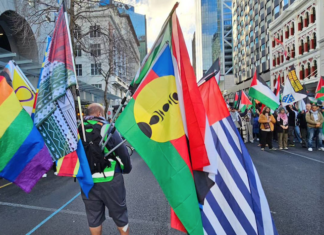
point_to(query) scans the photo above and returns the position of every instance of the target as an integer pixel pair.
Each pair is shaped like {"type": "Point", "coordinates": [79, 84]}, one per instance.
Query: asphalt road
{"type": "Point", "coordinates": [292, 180]}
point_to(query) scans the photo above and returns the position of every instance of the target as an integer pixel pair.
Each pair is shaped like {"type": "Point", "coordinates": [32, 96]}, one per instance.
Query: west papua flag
{"type": "Point", "coordinates": [214, 68]}
{"type": "Point", "coordinates": [236, 204]}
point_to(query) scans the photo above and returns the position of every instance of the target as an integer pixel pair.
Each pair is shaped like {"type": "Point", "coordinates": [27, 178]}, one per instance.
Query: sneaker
{"type": "Point", "coordinates": [291, 145]}
{"type": "Point", "coordinates": [262, 149]}
{"type": "Point", "coordinates": [321, 149]}
{"type": "Point", "coordinates": [280, 148]}
{"type": "Point", "coordinates": [55, 173]}
{"type": "Point", "coordinates": [257, 139]}
{"type": "Point", "coordinates": [251, 141]}
{"type": "Point", "coordinates": [310, 149]}
{"type": "Point", "coordinates": [44, 176]}
{"type": "Point", "coordinates": [286, 148]}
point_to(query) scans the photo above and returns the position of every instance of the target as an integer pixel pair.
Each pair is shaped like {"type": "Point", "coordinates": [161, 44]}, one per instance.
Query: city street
{"type": "Point", "coordinates": [292, 180]}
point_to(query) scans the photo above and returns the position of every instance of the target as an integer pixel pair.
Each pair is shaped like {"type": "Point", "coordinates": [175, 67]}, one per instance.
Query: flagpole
{"type": "Point", "coordinates": [76, 79]}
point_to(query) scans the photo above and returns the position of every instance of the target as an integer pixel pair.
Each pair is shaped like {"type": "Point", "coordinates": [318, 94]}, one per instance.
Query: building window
{"type": "Point", "coordinates": [95, 31]}
{"type": "Point", "coordinates": [97, 85]}
{"type": "Point", "coordinates": [78, 51]}
{"type": "Point", "coordinates": [262, 23]}
{"type": "Point", "coordinates": [251, 34]}
{"type": "Point", "coordinates": [269, 19]}
{"type": "Point", "coordinates": [269, 3]}
{"type": "Point", "coordinates": [95, 69]}
{"type": "Point", "coordinates": [263, 47]}
{"type": "Point", "coordinates": [251, 12]}
{"type": "Point", "coordinates": [277, 10]}
{"type": "Point", "coordinates": [251, 22]}
{"type": "Point", "coordinates": [256, 17]}
{"type": "Point", "coordinates": [31, 3]}
{"type": "Point", "coordinates": [262, 11]}
{"type": "Point", "coordinates": [246, 28]}
{"type": "Point", "coordinates": [95, 50]}
{"type": "Point", "coordinates": [285, 2]}
{"type": "Point", "coordinates": [256, 29]}
{"type": "Point", "coordinates": [252, 44]}
{"type": "Point", "coordinates": [78, 69]}
{"type": "Point", "coordinates": [256, 40]}
{"type": "Point", "coordinates": [77, 32]}
{"type": "Point", "coordinates": [262, 36]}
{"type": "Point", "coordinates": [246, 38]}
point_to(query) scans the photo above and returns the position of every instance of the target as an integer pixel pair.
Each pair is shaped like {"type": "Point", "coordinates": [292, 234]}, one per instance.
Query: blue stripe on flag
{"type": "Point", "coordinates": [230, 167]}
{"type": "Point", "coordinates": [234, 206]}
{"type": "Point", "coordinates": [219, 214]}
{"type": "Point", "coordinates": [207, 225]}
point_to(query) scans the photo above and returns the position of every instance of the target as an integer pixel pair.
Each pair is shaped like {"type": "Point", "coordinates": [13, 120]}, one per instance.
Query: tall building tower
{"type": "Point", "coordinates": [251, 38]}
{"type": "Point", "coordinates": [213, 35]}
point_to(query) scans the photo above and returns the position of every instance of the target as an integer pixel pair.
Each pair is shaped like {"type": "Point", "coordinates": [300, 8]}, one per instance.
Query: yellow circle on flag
{"type": "Point", "coordinates": [157, 110]}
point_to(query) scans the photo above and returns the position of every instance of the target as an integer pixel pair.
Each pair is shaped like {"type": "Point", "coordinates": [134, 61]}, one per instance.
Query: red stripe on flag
{"type": "Point", "coordinates": [68, 164]}
{"type": "Point", "coordinates": [150, 77]}
{"type": "Point", "coordinates": [5, 90]}
{"type": "Point", "coordinates": [194, 108]}
{"type": "Point", "coordinates": [255, 79]}
{"type": "Point", "coordinates": [214, 103]}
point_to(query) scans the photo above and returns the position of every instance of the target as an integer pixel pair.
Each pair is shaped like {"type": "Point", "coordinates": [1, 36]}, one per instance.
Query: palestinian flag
{"type": "Point", "coordinates": [320, 89]}
{"type": "Point", "coordinates": [259, 90]}
{"type": "Point", "coordinates": [245, 102]}
{"type": "Point", "coordinates": [165, 120]}
{"type": "Point", "coordinates": [237, 99]}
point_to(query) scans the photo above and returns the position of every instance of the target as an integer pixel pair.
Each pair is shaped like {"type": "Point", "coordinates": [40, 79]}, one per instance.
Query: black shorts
{"type": "Point", "coordinates": [111, 195]}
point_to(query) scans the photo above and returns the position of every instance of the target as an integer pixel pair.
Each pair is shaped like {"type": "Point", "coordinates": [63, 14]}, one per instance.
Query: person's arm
{"type": "Point", "coordinates": [321, 119]}
{"type": "Point", "coordinates": [308, 119]}
{"type": "Point", "coordinates": [121, 151]}
{"type": "Point", "coordinates": [289, 109]}
{"type": "Point", "coordinates": [243, 114]}
{"type": "Point", "coordinates": [272, 119]}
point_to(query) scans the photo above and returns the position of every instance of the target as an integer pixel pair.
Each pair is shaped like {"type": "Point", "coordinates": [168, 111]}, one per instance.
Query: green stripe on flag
{"type": "Point", "coordinates": [263, 99]}
{"type": "Point", "coordinates": [14, 137]}
{"type": "Point", "coordinates": [168, 167]}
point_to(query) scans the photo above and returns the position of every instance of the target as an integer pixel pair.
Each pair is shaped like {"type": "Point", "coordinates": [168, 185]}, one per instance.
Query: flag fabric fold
{"type": "Point", "coordinates": [260, 91]}
{"type": "Point", "coordinates": [55, 114]}
{"type": "Point", "coordinates": [24, 157]}
{"type": "Point", "coordinates": [320, 89]}
{"type": "Point", "coordinates": [236, 204]}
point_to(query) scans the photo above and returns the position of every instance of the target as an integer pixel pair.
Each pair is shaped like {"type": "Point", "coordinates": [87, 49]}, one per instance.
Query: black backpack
{"type": "Point", "coordinates": [97, 161]}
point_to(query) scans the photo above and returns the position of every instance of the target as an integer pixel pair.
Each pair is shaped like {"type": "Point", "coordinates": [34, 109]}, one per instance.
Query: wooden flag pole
{"type": "Point", "coordinates": [77, 84]}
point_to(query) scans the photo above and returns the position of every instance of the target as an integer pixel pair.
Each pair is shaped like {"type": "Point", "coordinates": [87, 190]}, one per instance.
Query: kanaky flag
{"type": "Point", "coordinates": [320, 89]}
{"type": "Point", "coordinates": [260, 91]}
{"type": "Point", "coordinates": [245, 102]}
{"type": "Point", "coordinates": [236, 204]}
{"type": "Point", "coordinates": [55, 115]}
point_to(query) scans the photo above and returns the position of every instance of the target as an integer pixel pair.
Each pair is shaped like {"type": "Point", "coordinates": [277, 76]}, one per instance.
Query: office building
{"type": "Point", "coordinates": [213, 36]}
{"type": "Point", "coordinates": [300, 28]}
{"type": "Point", "coordinates": [251, 34]}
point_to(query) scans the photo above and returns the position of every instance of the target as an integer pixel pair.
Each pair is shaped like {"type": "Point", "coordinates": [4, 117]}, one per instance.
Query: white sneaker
{"type": "Point", "coordinates": [55, 173]}
{"type": "Point", "coordinates": [310, 149]}
{"type": "Point", "coordinates": [257, 139]}
{"type": "Point", "coordinates": [44, 176]}
{"type": "Point", "coordinates": [251, 141]}
{"type": "Point", "coordinates": [321, 149]}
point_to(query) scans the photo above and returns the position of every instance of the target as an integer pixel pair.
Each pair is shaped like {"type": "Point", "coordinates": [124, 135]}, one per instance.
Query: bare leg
{"type": "Point", "coordinates": [122, 230]}
{"type": "Point", "coordinates": [96, 230]}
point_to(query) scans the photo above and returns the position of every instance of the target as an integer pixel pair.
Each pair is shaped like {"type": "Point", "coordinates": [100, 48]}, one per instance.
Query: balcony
{"type": "Point", "coordinates": [119, 82]}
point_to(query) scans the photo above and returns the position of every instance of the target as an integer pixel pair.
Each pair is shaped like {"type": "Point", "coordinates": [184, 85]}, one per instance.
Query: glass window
{"type": "Point", "coordinates": [239, 46]}
{"type": "Point", "coordinates": [252, 44]}
{"type": "Point", "coordinates": [269, 18]}
{"type": "Point", "coordinates": [239, 36]}
{"type": "Point", "coordinates": [95, 31]}
{"type": "Point", "coordinates": [78, 69]}
{"type": "Point", "coordinates": [77, 32]}
{"type": "Point", "coordinates": [262, 23]}
{"type": "Point", "coordinates": [262, 11]}
{"type": "Point", "coordinates": [262, 36]}
{"type": "Point", "coordinates": [246, 38]}
{"type": "Point", "coordinates": [247, 28]}
{"type": "Point", "coordinates": [95, 69]}
{"type": "Point", "coordinates": [246, 17]}
{"type": "Point", "coordinates": [78, 51]}
{"type": "Point", "coordinates": [263, 47]}
{"type": "Point", "coordinates": [251, 22]}
{"type": "Point", "coordinates": [256, 17]}
{"type": "Point", "coordinates": [263, 59]}
{"type": "Point", "coordinates": [269, 4]}
{"type": "Point", "coordinates": [277, 9]}
{"type": "Point", "coordinates": [97, 85]}
{"type": "Point", "coordinates": [251, 34]}
{"type": "Point", "coordinates": [256, 6]}
{"type": "Point", "coordinates": [251, 12]}
{"type": "Point", "coordinates": [256, 40]}
{"type": "Point", "coordinates": [95, 49]}
{"type": "Point", "coordinates": [256, 29]}
{"type": "Point", "coordinates": [242, 13]}
{"type": "Point", "coordinates": [285, 2]}
{"type": "Point", "coordinates": [242, 23]}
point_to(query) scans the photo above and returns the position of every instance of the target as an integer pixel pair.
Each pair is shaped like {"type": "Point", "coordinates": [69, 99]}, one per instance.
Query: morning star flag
{"type": "Point", "coordinates": [260, 91]}
{"type": "Point", "coordinates": [320, 89]}
{"type": "Point", "coordinates": [24, 90]}
{"type": "Point", "coordinates": [236, 204]}
{"type": "Point", "coordinates": [276, 90]}
{"type": "Point", "coordinates": [214, 68]}
{"type": "Point", "coordinates": [55, 115]}
{"type": "Point", "coordinates": [294, 90]}
{"type": "Point", "coordinates": [24, 157]}
{"type": "Point", "coordinates": [245, 102]}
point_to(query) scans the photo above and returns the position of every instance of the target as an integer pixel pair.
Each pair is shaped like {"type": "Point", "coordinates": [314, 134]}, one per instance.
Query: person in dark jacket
{"type": "Point", "coordinates": [282, 128]}
{"type": "Point", "coordinates": [291, 125]}
{"type": "Point", "coordinates": [303, 127]}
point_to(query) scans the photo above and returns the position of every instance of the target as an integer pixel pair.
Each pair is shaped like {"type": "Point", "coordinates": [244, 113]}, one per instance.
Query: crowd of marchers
{"type": "Point", "coordinates": [285, 125]}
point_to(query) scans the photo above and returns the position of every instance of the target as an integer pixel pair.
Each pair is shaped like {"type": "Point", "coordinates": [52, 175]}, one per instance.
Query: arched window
{"type": "Point", "coordinates": [301, 47]}
{"type": "Point", "coordinates": [313, 15]}
{"type": "Point", "coordinates": [315, 40]}
{"type": "Point", "coordinates": [307, 44]}
{"type": "Point", "coordinates": [287, 32]}
{"type": "Point", "coordinates": [307, 71]}
{"type": "Point", "coordinates": [292, 29]}
{"type": "Point", "coordinates": [306, 21]}
{"type": "Point", "coordinates": [302, 73]}
{"type": "Point", "coordinates": [293, 51]}
{"type": "Point", "coordinates": [289, 54]}
{"type": "Point", "coordinates": [301, 24]}
{"type": "Point", "coordinates": [315, 68]}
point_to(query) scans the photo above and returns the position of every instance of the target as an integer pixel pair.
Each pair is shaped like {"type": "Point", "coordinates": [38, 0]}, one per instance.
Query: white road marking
{"type": "Point", "coordinates": [315, 160]}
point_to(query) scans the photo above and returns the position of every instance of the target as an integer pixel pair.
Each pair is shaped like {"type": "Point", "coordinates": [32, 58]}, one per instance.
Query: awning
{"type": "Point", "coordinates": [96, 91]}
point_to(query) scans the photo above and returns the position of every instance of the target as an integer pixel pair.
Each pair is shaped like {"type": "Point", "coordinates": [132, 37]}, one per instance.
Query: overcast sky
{"type": "Point", "coordinates": [156, 12]}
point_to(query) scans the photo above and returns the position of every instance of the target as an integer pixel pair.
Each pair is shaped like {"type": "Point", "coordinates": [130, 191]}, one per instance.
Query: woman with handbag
{"type": "Point", "coordinates": [282, 128]}
{"type": "Point", "coordinates": [267, 122]}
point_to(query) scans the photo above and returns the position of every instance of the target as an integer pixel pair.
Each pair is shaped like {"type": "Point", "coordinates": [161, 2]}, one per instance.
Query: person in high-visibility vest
{"type": "Point", "coordinates": [107, 173]}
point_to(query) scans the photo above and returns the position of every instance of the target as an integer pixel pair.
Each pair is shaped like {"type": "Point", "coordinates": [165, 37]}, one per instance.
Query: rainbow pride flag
{"type": "Point", "coordinates": [24, 157]}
